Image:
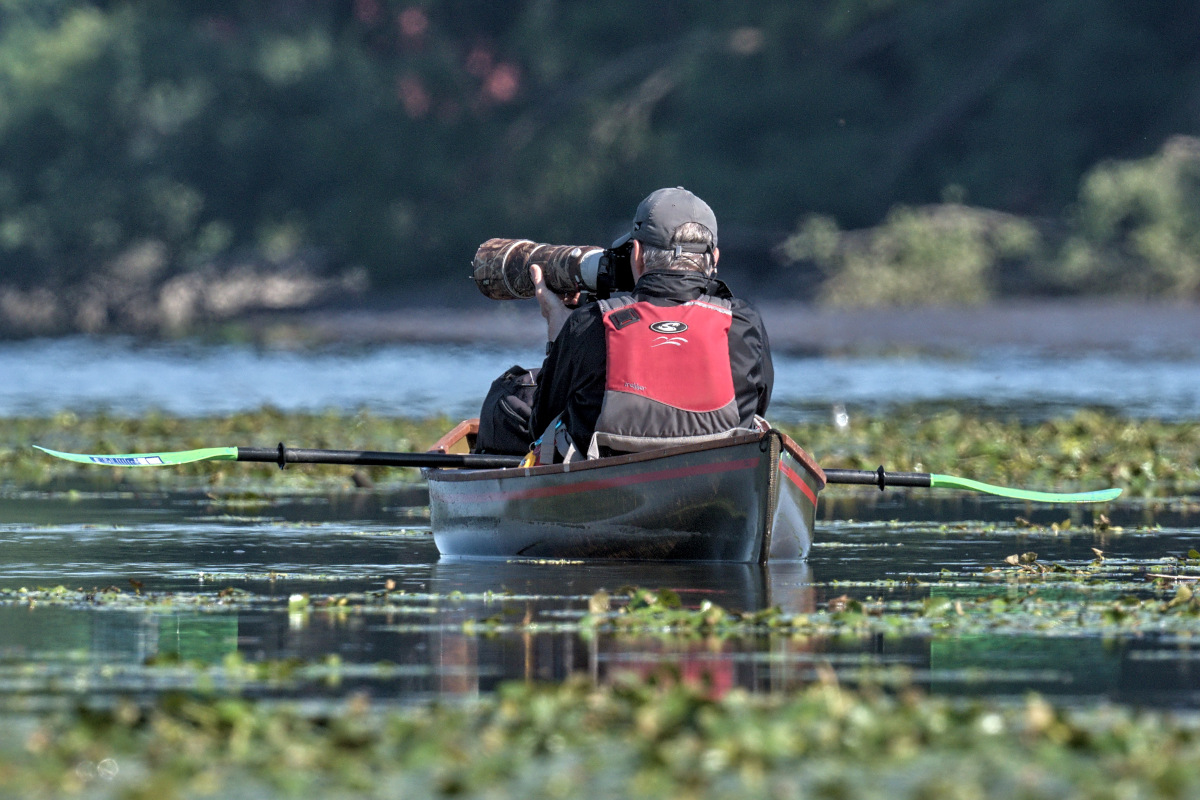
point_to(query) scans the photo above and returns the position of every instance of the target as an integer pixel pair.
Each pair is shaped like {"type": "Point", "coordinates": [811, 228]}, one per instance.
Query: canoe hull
{"type": "Point", "coordinates": [745, 500]}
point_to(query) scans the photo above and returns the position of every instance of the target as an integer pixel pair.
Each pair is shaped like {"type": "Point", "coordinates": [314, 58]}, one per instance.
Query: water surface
{"type": "Point", "coordinates": [328, 594]}
{"type": "Point", "coordinates": [224, 577]}
{"type": "Point", "coordinates": [191, 378]}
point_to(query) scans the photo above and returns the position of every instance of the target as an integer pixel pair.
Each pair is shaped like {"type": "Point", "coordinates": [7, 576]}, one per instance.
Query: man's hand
{"type": "Point", "coordinates": [554, 308]}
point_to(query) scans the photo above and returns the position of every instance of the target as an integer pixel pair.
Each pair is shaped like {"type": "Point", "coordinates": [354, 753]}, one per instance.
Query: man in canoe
{"type": "Point", "coordinates": [678, 359]}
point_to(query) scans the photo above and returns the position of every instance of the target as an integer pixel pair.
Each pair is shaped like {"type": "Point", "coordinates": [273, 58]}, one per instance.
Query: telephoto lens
{"type": "Point", "coordinates": [501, 267]}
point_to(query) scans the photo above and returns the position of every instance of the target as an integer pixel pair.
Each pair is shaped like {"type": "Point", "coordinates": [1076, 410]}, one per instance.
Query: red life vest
{"type": "Point", "coordinates": [668, 378]}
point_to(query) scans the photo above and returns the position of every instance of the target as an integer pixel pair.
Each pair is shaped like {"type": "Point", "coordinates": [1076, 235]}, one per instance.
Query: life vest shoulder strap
{"type": "Point", "coordinates": [615, 302]}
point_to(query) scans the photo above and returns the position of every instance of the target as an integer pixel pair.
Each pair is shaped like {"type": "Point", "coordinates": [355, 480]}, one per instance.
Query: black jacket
{"type": "Point", "coordinates": [571, 382]}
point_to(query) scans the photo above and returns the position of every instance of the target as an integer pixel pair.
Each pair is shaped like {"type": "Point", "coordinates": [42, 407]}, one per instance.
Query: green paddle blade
{"type": "Point", "coordinates": [149, 459]}
{"type": "Point", "coordinates": [951, 482]}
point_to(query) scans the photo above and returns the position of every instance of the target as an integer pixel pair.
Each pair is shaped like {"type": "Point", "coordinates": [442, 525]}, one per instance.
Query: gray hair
{"type": "Point", "coordinates": [687, 233]}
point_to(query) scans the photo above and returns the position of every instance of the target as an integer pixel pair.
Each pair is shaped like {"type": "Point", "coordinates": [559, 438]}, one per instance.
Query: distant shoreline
{"type": "Point", "coordinates": [1073, 326]}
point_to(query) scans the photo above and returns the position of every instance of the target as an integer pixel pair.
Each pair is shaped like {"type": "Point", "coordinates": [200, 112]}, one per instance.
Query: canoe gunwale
{"type": "Point", "coordinates": [446, 443]}
{"type": "Point", "coordinates": [800, 454]}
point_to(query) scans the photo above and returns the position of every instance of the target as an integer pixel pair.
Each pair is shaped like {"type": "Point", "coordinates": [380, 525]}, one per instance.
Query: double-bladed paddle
{"type": "Point", "coordinates": [283, 456]}
{"type": "Point", "coordinates": [883, 479]}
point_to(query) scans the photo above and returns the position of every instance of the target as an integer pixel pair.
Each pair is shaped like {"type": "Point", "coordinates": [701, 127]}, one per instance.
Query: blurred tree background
{"type": "Point", "coordinates": [171, 159]}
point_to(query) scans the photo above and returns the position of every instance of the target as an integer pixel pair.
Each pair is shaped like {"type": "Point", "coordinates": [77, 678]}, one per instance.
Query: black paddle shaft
{"type": "Point", "coordinates": [879, 477]}
{"type": "Point", "coordinates": [283, 456]}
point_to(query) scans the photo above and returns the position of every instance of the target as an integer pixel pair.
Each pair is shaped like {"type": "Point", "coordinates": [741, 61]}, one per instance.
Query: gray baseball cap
{"type": "Point", "coordinates": [662, 212]}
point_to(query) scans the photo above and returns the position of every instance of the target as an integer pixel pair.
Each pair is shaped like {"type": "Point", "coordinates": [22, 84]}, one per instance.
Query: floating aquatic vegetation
{"type": "Point", "coordinates": [117, 598]}
{"type": "Point", "coordinates": [1178, 614]}
{"type": "Point", "coordinates": [667, 737]}
{"type": "Point", "coordinates": [101, 432]}
{"type": "Point", "coordinates": [975, 618]}
{"type": "Point", "coordinates": [1103, 596]}
{"type": "Point", "coordinates": [385, 600]}
{"type": "Point", "coordinates": [1148, 458]}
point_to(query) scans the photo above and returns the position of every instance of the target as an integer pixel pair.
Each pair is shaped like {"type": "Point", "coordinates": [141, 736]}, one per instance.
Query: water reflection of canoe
{"type": "Point", "coordinates": [751, 498]}
{"type": "Point", "coordinates": [786, 585]}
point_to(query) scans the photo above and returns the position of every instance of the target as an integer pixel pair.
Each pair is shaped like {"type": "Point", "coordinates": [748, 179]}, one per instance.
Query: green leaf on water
{"type": "Point", "coordinates": [1183, 595]}
{"type": "Point", "coordinates": [935, 606]}
{"type": "Point", "coordinates": [599, 603]}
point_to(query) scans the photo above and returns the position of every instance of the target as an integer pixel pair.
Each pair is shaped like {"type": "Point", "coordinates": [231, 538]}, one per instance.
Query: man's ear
{"type": "Point", "coordinates": [637, 260]}
{"type": "Point", "coordinates": [712, 271]}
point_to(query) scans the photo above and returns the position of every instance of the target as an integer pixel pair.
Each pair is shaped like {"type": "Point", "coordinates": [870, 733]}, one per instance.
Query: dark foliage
{"type": "Point", "coordinates": [396, 135]}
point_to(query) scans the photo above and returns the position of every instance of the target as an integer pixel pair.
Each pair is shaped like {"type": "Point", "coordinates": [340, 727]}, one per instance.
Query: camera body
{"type": "Point", "coordinates": [501, 269]}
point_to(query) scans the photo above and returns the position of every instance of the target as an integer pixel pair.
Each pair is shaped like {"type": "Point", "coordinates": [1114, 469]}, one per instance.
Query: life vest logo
{"type": "Point", "coordinates": [668, 326]}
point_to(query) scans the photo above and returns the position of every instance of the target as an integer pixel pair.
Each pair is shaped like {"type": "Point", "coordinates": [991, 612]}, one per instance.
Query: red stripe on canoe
{"type": "Point", "coordinates": [796, 479]}
{"type": "Point", "coordinates": [608, 483]}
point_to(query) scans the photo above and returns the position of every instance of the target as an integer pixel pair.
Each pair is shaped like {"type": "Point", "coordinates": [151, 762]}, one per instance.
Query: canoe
{"type": "Point", "coordinates": [751, 498]}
